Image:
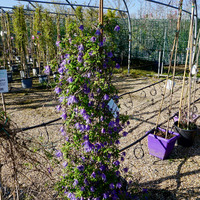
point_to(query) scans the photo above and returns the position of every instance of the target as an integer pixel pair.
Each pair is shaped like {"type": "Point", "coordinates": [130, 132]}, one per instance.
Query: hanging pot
{"type": "Point", "coordinates": [26, 82]}
{"type": "Point", "coordinates": [159, 146]}
{"type": "Point", "coordinates": [187, 137]}
{"type": "Point", "coordinates": [43, 78]}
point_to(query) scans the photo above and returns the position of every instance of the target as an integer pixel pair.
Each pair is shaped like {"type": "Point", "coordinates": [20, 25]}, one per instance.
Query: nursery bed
{"type": "Point", "coordinates": [177, 177]}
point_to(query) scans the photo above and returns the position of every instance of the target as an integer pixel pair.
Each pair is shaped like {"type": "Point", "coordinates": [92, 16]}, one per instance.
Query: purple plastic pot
{"type": "Point", "coordinates": [161, 147]}
{"type": "Point", "coordinates": [176, 117]}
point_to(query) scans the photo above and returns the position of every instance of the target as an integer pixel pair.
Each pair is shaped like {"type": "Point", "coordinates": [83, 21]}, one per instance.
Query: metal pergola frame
{"type": "Point", "coordinates": [126, 11]}
{"type": "Point", "coordinates": [195, 20]}
{"type": "Point", "coordinates": [1, 7]}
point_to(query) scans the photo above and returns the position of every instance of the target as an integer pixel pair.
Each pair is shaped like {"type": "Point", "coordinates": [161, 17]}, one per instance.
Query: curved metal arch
{"type": "Point", "coordinates": [130, 37]}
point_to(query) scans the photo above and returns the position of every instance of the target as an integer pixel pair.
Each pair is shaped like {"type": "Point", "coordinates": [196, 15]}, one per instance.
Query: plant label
{"type": "Point", "coordinates": [169, 85]}
{"type": "Point", "coordinates": [3, 81]}
{"type": "Point", "coordinates": [194, 69]}
{"type": "Point", "coordinates": [113, 108]}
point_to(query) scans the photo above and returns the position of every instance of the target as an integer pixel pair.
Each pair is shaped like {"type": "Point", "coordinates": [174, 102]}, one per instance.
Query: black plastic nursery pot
{"type": "Point", "coordinates": [14, 68]}
{"type": "Point", "coordinates": [26, 82]}
{"type": "Point", "coordinates": [187, 136]}
{"type": "Point", "coordinates": [9, 75]}
{"type": "Point", "coordinates": [43, 78]}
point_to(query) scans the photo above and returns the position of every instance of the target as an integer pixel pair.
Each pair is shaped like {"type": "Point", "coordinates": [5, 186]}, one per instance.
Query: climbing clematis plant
{"type": "Point", "coordinates": [90, 154]}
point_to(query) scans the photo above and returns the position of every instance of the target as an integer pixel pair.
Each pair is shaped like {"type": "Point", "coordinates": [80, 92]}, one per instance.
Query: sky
{"type": "Point", "coordinates": [135, 7]}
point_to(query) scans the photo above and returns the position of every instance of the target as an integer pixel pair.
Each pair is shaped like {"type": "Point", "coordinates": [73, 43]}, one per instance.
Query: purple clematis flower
{"type": "Point", "coordinates": [82, 188]}
{"type": "Point", "coordinates": [58, 107]}
{"type": "Point", "coordinates": [61, 70]}
{"type": "Point", "coordinates": [92, 189]}
{"type": "Point", "coordinates": [93, 175]}
{"type": "Point", "coordinates": [65, 164]}
{"type": "Point", "coordinates": [106, 97]}
{"type": "Point", "coordinates": [62, 130]}
{"type": "Point", "coordinates": [101, 44]}
{"type": "Point", "coordinates": [47, 70]}
{"type": "Point", "coordinates": [80, 168]}
{"type": "Point", "coordinates": [117, 173]}
{"type": "Point", "coordinates": [71, 99]}
{"type": "Point", "coordinates": [112, 186]}
{"type": "Point", "coordinates": [70, 79]}
{"type": "Point", "coordinates": [110, 55]}
{"type": "Point", "coordinates": [80, 60]}
{"type": "Point", "coordinates": [98, 32]}
{"type": "Point", "coordinates": [75, 182]}
{"type": "Point", "coordinates": [67, 55]}
{"type": "Point", "coordinates": [87, 146]}
{"type": "Point", "coordinates": [103, 130]}
{"type": "Point", "coordinates": [59, 154]}
{"type": "Point", "coordinates": [81, 47]}
{"type": "Point", "coordinates": [118, 185]}
{"type": "Point", "coordinates": [105, 195]}
{"type": "Point", "coordinates": [117, 66]}
{"type": "Point", "coordinates": [125, 169]}
{"type": "Point", "coordinates": [64, 116]}
{"type": "Point", "coordinates": [117, 28]}
{"type": "Point", "coordinates": [93, 39]}
{"type": "Point", "coordinates": [58, 90]}
{"type": "Point", "coordinates": [116, 163]}
{"type": "Point", "coordinates": [103, 176]}
{"type": "Point", "coordinates": [81, 27]}
{"type": "Point", "coordinates": [86, 182]}
{"type": "Point", "coordinates": [57, 43]}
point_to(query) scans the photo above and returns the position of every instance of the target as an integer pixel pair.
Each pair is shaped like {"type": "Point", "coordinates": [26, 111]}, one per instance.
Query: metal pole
{"type": "Point", "coordinates": [159, 63]}
{"type": "Point", "coordinates": [130, 37]}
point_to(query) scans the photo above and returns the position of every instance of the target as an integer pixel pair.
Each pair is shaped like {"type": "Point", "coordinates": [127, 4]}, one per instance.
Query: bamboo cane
{"type": "Point", "coordinates": [172, 52]}
{"type": "Point", "coordinates": [190, 66]}
{"type": "Point", "coordinates": [195, 76]}
{"type": "Point", "coordinates": [1, 184]}
{"type": "Point", "coordinates": [174, 69]}
{"type": "Point", "coordinates": [184, 75]}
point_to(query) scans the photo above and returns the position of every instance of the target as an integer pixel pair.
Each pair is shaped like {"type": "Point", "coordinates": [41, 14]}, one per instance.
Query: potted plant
{"type": "Point", "coordinates": [161, 144]}
{"type": "Point", "coordinates": [49, 44]}
{"type": "Point", "coordinates": [20, 30]}
{"type": "Point", "coordinates": [186, 124]}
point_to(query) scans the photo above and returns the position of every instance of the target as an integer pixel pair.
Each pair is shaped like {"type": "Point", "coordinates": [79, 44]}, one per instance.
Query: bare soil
{"type": "Point", "coordinates": [177, 177]}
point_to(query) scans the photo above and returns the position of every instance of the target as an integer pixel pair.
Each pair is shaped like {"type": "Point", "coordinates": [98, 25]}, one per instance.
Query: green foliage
{"type": "Point", "coordinates": [20, 31]}
{"type": "Point", "coordinates": [79, 13]}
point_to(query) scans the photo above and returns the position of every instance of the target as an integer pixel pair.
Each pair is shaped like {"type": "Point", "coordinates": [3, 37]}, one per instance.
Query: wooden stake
{"type": "Point", "coordinates": [184, 75]}
{"type": "Point", "coordinates": [4, 105]}
{"type": "Point", "coordinates": [172, 52]}
{"type": "Point", "coordinates": [1, 185]}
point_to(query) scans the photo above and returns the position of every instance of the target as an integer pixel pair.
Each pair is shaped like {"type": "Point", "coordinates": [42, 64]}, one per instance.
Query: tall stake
{"type": "Point", "coordinates": [4, 105]}
{"type": "Point", "coordinates": [184, 75]}
{"type": "Point", "coordinates": [190, 66]}
{"type": "Point", "coordinates": [172, 52]}
{"type": "Point", "coordinates": [174, 68]}
{"type": "Point", "coordinates": [101, 19]}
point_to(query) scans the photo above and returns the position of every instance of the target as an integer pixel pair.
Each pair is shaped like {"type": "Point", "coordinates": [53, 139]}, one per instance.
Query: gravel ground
{"type": "Point", "coordinates": [174, 178]}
